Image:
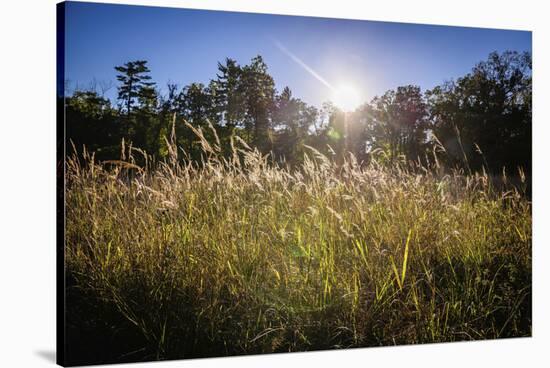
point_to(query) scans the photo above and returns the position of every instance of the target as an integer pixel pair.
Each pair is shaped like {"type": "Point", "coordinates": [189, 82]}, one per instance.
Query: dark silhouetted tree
{"type": "Point", "coordinates": [259, 92]}
{"type": "Point", "coordinates": [134, 81]}
{"type": "Point", "coordinates": [291, 122]}
{"type": "Point", "coordinates": [229, 93]}
{"type": "Point", "coordinates": [396, 123]}
{"type": "Point", "coordinates": [91, 122]}
{"type": "Point", "coordinates": [484, 118]}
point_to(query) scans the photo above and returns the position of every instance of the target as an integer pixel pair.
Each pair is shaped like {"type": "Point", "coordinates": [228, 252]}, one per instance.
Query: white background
{"type": "Point", "coordinates": [27, 181]}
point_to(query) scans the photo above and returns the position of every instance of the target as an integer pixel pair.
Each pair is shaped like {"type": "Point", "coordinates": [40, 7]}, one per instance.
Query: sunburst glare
{"type": "Point", "coordinates": [346, 97]}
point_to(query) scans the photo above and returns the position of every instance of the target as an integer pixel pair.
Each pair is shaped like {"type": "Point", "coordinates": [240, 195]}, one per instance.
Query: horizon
{"type": "Point", "coordinates": [310, 55]}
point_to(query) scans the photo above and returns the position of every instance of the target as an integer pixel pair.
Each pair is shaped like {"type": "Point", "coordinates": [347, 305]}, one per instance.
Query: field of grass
{"type": "Point", "coordinates": [241, 256]}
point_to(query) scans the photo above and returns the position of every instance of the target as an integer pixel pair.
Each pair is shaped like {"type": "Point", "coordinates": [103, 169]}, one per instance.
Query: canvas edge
{"type": "Point", "coordinates": [60, 185]}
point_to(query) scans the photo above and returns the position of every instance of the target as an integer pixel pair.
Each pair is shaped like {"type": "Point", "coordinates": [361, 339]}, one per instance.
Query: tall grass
{"type": "Point", "coordinates": [237, 256]}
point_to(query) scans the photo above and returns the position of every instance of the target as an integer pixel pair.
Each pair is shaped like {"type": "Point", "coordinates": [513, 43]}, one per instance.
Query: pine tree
{"type": "Point", "coordinates": [135, 83]}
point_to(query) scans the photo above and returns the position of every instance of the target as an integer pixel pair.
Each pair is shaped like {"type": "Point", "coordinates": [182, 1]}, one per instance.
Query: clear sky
{"type": "Point", "coordinates": [184, 46]}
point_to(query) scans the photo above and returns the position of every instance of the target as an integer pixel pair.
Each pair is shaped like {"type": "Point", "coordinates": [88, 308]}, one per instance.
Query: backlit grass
{"type": "Point", "coordinates": [241, 256]}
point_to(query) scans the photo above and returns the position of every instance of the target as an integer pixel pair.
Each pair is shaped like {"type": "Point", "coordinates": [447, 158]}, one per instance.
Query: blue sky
{"type": "Point", "coordinates": [184, 46]}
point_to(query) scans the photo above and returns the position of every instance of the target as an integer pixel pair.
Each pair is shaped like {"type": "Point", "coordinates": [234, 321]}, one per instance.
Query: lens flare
{"type": "Point", "coordinates": [345, 97]}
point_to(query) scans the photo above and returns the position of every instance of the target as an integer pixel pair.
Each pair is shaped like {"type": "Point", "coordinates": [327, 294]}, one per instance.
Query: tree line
{"type": "Point", "coordinates": [481, 120]}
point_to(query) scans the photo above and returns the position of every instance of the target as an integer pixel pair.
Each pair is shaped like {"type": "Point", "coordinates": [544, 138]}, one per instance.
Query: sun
{"type": "Point", "coordinates": [346, 97]}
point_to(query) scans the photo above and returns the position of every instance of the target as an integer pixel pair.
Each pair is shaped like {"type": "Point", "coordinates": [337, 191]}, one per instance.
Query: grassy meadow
{"type": "Point", "coordinates": [233, 256]}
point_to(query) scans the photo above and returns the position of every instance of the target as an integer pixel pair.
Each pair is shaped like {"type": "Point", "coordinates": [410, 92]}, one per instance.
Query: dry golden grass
{"type": "Point", "coordinates": [242, 256]}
